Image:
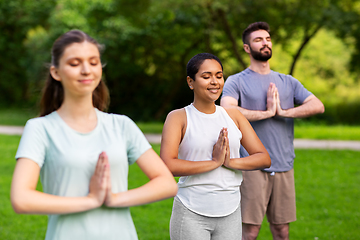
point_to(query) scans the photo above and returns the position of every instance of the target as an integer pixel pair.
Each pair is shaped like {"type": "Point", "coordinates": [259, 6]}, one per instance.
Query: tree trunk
{"type": "Point", "coordinates": [305, 41]}
{"type": "Point", "coordinates": [231, 37]}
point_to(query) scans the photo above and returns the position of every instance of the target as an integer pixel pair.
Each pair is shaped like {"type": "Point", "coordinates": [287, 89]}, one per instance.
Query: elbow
{"type": "Point", "coordinates": [173, 190]}
{"type": "Point", "coordinates": [320, 108]}
{"type": "Point", "coordinates": [20, 202]}
{"type": "Point", "coordinates": [268, 162]}
{"type": "Point", "coordinates": [263, 162]}
{"type": "Point", "coordinates": [170, 188]}
{"type": "Point", "coordinates": [18, 205]}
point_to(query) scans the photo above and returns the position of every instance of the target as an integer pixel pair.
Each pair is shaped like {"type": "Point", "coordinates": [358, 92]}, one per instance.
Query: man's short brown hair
{"type": "Point", "coordinates": [252, 28]}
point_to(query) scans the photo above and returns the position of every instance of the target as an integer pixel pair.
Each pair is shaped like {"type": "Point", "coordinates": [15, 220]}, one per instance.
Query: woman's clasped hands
{"type": "Point", "coordinates": [100, 182]}
{"type": "Point", "coordinates": [221, 149]}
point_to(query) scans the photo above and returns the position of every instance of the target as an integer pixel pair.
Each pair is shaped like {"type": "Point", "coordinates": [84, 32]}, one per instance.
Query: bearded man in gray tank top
{"type": "Point", "coordinates": [270, 101]}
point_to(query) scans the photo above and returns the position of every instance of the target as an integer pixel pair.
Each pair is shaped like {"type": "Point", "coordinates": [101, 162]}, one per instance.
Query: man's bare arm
{"type": "Point", "coordinates": [251, 115]}
{"type": "Point", "coordinates": [311, 106]}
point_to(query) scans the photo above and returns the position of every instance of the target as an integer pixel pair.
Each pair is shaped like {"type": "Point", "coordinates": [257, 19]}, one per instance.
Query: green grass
{"type": "Point", "coordinates": [327, 192]}
{"type": "Point", "coordinates": [151, 127]}
{"type": "Point", "coordinates": [13, 226]}
{"type": "Point", "coordinates": [327, 196]}
{"type": "Point", "coordinates": [335, 132]}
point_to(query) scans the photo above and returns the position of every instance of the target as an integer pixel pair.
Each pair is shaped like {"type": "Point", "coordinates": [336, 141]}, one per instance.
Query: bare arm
{"type": "Point", "coordinates": [173, 131]}
{"type": "Point", "coordinates": [258, 156]}
{"type": "Point", "coordinates": [254, 115]}
{"type": "Point", "coordinates": [161, 185]}
{"type": "Point", "coordinates": [311, 106]}
{"type": "Point", "coordinates": [26, 199]}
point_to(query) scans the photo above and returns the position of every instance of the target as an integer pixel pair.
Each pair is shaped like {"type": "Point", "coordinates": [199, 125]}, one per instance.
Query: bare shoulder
{"type": "Point", "coordinates": [174, 126]}
{"type": "Point", "coordinates": [175, 119]}
{"type": "Point", "coordinates": [178, 115]}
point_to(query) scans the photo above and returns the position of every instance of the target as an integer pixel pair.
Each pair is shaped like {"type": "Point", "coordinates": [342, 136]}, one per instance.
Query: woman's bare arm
{"type": "Point", "coordinates": [258, 156]}
{"type": "Point", "coordinates": [161, 185]}
{"type": "Point", "coordinates": [26, 199]}
{"type": "Point", "coordinates": [172, 135]}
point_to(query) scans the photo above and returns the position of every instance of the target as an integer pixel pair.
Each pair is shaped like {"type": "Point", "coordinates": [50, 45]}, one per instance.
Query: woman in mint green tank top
{"type": "Point", "coordinates": [82, 154]}
{"type": "Point", "coordinates": [201, 144]}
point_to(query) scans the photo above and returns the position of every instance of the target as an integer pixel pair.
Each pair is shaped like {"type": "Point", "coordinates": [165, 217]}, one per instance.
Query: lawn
{"type": "Point", "coordinates": [332, 132]}
{"type": "Point", "coordinates": [327, 188]}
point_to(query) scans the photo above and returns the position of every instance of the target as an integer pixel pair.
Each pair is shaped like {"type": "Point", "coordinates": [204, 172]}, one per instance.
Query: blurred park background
{"type": "Point", "coordinates": [148, 43]}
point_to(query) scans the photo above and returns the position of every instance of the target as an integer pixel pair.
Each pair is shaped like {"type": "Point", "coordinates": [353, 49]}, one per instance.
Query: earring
{"type": "Point", "coordinates": [191, 87]}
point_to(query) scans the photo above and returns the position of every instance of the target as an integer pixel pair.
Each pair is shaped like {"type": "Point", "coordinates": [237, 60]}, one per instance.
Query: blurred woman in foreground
{"type": "Point", "coordinates": [82, 154]}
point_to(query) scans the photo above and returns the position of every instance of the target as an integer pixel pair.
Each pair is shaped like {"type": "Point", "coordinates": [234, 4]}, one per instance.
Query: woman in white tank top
{"type": "Point", "coordinates": [201, 144]}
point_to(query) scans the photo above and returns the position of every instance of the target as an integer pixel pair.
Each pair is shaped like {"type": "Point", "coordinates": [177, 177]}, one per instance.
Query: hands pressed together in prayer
{"type": "Point", "coordinates": [221, 149]}
{"type": "Point", "coordinates": [100, 183]}
{"type": "Point", "coordinates": [273, 102]}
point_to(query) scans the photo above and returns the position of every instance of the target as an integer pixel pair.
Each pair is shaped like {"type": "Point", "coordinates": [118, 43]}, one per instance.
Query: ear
{"type": "Point", "coordinates": [54, 73]}
{"type": "Point", "coordinates": [247, 48]}
{"type": "Point", "coordinates": [190, 82]}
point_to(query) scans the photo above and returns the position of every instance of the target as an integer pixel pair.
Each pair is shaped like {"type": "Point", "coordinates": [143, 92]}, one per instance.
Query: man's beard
{"type": "Point", "coordinates": [258, 55]}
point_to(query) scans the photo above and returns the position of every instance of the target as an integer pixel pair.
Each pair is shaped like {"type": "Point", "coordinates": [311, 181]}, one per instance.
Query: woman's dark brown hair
{"type": "Point", "coordinates": [53, 92]}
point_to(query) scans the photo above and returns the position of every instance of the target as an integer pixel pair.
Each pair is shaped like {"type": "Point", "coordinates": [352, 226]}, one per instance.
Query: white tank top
{"type": "Point", "coordinates": [215, 193]}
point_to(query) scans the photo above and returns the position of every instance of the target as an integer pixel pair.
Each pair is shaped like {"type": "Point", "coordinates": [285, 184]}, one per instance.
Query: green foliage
{"type": "Point", "coordinates": [342, 112]}
{"type": "Point", "coordinates": [323, 71]}
{"type": "Point", "coordinates": [16, 19]}
{"type": "Point", "coordinates": [148, 44]}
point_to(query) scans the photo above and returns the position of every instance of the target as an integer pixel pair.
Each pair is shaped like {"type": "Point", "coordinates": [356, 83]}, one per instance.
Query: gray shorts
{"type": "Point", "coordinates": [273, 194]}
{"type": "Point", "coordinates": [187, 225]}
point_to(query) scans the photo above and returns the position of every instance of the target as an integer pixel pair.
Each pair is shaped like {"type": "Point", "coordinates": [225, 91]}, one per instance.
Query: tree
{"type": "Point", "coordinates": [148, 43]}
{"type": "Point", "coordinates": [17, 17]}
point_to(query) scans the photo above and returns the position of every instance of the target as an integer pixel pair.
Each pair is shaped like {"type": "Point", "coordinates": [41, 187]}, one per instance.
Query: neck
{"type": "Point", "coordinates": [74, 109]}
{"type": "Point", "coordinates": [260, 67]}
{"type": "Point", "coordinates": [204, 107]}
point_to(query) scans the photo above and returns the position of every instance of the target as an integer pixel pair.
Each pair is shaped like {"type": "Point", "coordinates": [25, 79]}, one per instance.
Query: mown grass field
{"type": "Point", "coordinates": [327, 191]}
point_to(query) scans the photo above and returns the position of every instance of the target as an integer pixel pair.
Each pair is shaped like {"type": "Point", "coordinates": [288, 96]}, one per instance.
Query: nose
{"type": "Point", "coordinates": [85, 68]}
{"type": "Point", "coordinates": [213, 80]}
